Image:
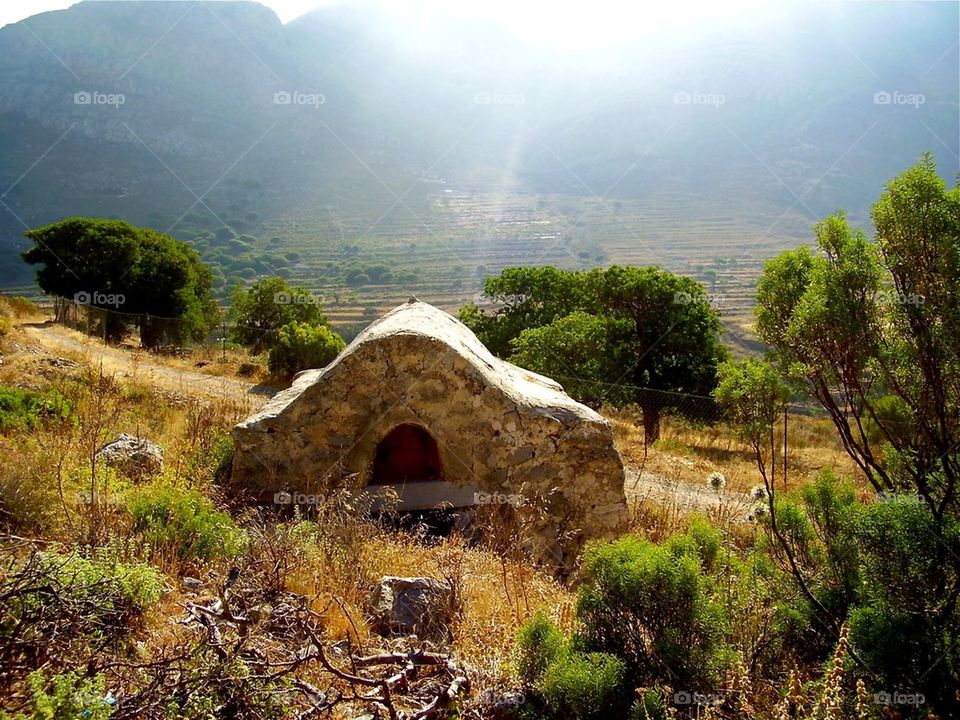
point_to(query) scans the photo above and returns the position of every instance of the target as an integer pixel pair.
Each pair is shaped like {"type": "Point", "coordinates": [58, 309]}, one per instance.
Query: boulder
{"type": "Point", "coordinates": [412, 606]}
{"type": "Point", "coordinates": [136, 458]}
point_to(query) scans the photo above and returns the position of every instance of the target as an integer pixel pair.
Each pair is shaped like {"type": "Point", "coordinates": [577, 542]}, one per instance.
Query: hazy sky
{"type": "Point", "coordinates": [550, 21]}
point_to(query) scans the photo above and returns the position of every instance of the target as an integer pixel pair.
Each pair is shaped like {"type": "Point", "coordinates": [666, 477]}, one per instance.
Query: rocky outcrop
{"type": "Point", "coordinates": [135, 458]}
{"type": "Point", "coordinates": [501, 434]}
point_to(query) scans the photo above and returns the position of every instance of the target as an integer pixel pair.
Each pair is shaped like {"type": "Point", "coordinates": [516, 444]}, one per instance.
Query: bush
{"type": "Point", "coordinates": [27, 410]}
{"type": "Point", "coordinates": [652, 606]}
{"type": "Point", "coordinates": [65, 697]}
{"type": "Point", "coordinates": [584, 686]}
{"type": "Point", "coordinates": [182, 525]}
{"type": "Point", "coordinates": [58, 608]}
{"type": "Point", "coordinates": [906, 627]}
{"type": "Point", "coordinates": [301, 346]}
{"type": "Point", "coordinates": [540, 644]}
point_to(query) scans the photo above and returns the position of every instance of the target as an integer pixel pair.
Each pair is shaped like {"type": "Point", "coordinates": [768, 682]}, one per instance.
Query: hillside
{"type": "Point", "coordinates": [402, 165]}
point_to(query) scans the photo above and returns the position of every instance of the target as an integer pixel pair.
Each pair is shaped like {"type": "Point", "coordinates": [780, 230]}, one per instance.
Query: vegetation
{"type": "Point", "coordinates": [26, 410]}
{"type": "Point", "coordinates": [301, 346]}
{"type": "Point", "coordinates": [157, 282]}
{"type": "Point", "coordinates": [831, 593]}
{"type": "Point", "coordinates": [617, 336]}
{"type": "Point", "coordinates": [262, 309]}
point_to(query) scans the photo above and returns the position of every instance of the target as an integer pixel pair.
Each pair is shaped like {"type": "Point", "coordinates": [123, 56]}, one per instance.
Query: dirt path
{"type": "Point", "coordinates": [685, 496]}
{"type": "Point", "coordinates": [58, 339]}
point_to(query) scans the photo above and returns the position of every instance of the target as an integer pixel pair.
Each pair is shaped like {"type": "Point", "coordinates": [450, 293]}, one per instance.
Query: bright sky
{"type": "Point", "coordinates": [596, 22]}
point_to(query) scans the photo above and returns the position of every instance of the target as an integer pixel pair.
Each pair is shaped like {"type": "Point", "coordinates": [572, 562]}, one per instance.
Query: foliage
{"type": "Point", "coordinates": [583, 352]}
{"type": "Point", "coordinates": [301, 346]}
{"type": "Point", "coordinates": [28, 410]}
{"type": "Point", "coordinates": [652, 606]}
{"type": "Point", "coordinates": [145, 273]}
{"type": "Point", "coordinates": [59, 607]}
{"type": "Point", "coordinates": [568, 683]}
{"type": "Point", "coordinates": [540, 644]}
{"type": "Point", "coordinates": [584, 685]}
{"type": "Point", "coordinates": [862, 322]}
{"type": "Point", "coordinates": [752, 395]}
{"type": "Point", "coordinates": [181, 525]}
{"type": "Point", "coordinates": [262, 309]}
{"type": "Point", "coordinates": [633, 327]}
{"type": "Point", "coordinates": [69, 696]}
{"type": "Point", "coordinates": [872, 331]}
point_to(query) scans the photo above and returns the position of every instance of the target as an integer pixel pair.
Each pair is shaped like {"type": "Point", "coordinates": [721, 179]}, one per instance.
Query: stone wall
{"type": "Point", "coordinates": [499, 429]}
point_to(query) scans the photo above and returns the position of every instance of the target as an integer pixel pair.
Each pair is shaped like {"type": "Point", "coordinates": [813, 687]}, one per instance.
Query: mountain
{"type": "Point", "coordinates": [385, 153]}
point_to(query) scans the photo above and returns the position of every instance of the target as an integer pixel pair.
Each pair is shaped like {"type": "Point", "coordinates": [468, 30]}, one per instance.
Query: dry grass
{"type": "Point", "coordinates": [687, 453]}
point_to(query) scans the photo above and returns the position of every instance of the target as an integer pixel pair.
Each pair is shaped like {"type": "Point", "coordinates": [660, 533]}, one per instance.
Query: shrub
{"type": "Point", "coordinates": [907, 628]}
{"type": "Point", "coordinates": [65, 697]}
{"type": "Point", "coordinates": [652, 606]}
{"type": "Point", "coordinates": [584, 686]}
{"type": "Point", "coordinates": [301, 346]}
{"type": "Point", "coordinates": [27, 410]}
{"type": "Point", "coordinates": [182, 525]}
{"type": "Point", "coordinates": [540, 644]}
{"type": "Point", "coordinates": [58, 608]}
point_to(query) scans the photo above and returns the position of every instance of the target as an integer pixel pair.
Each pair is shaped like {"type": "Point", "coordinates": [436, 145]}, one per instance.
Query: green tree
{"type": "Point", "coordinates": [262, 309]}
{"type": "Point", "coordinates": [872, 331]}
{"type": "Point", "coordinates": [134, 270]}
{"type": "Point", "coordinates": [301, 346]}
{"type": "Point", "coordinates": [585, 353]}
{"type": "Point", "coordinates": [864, 322]}
{"type": "Point", "coordinates": [658, 332]}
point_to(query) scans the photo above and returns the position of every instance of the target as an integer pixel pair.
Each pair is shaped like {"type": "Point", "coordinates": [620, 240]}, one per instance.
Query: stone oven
{"type": "Point", "coordinates": [416, 403]}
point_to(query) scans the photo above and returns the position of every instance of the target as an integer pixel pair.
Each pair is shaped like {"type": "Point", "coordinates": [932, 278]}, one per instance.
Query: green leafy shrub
{"type": "Point", "coordinates": [652, 606]}
{"type": "Point", "coordinates": [584, 686]}
{"type": "Point", "coordinates": [59, 607]}
{"type": "Point", "coordinates": [214, 461]}
{"type": "Point", "coordinates": [28, 410]}
{"type": "Point", "coordinates": [69, 696]}
{"type": "Point", "coordinates": [540, 644]}
{"type": "Point", "coordinates": [182, 525]}
{"type": "Point", "coordinates": [906, 628]}
{"type": "Point", "coordinates": [301, 346]}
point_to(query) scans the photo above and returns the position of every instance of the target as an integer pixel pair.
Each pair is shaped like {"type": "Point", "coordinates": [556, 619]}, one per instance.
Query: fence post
{"type": "Point", "coordinates": [223, 342]}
